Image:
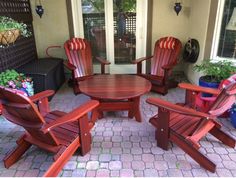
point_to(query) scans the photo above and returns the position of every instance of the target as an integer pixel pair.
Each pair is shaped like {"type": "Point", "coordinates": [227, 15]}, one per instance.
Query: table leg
{"type": "Point", "coordinates": [94, 116]}
{"type": "Point", "coordinates": [136, 109]}
{"type": "Point", "coordinates": [101, 115]}
{"type": "Point", "coordinates": [97, 114]}
{"type": "Point", "coordinates": [131, 111]}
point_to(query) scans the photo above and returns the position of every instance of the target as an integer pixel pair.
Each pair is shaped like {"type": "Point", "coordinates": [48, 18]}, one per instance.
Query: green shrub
{"type": "Point", "coordinates": [216, 71]}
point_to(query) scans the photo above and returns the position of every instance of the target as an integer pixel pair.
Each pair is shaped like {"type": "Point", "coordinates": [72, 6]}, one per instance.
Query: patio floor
{"type": "Point", "coordinates": [120, 147]}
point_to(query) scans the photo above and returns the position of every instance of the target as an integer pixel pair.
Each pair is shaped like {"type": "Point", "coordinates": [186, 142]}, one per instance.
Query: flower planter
{"type": "Point", "coordinates": [17, 81]}
{"type": "Point", "coordinates": [9, 36]}
{"type": "Point", "coordinates": [203, 82]}
{"type": "Point", "coordinates": [233, 115]}
{"type": "Point", "coordinates": [233, 118]}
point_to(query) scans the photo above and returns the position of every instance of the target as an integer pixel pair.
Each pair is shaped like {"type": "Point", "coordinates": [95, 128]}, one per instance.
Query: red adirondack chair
{"type": "Point", "coordinates": [54, 131]}
{"type": "Point", "coordinates": [166, 54]}
{"type": "Point", "coordinates": [185, 126]}
{"type": "Point", "coordinates": [204, 103]}
{"type": "Point", "coordinates": [79, 54]}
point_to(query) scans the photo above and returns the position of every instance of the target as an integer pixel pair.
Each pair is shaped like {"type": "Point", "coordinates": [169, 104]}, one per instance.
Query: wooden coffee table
{"type": "Point", "coordinates": [116, 92]}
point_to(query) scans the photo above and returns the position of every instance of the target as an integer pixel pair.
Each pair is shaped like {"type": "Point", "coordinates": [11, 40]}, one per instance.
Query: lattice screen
{"type": "Point", "coordinates": [24, 49]}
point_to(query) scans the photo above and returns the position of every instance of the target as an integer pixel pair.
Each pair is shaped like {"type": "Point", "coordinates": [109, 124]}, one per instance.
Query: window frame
{"type": "Point", "coordinates": [216, 36]}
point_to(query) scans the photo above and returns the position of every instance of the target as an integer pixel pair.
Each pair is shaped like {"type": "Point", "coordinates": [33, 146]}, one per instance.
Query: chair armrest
{"type": "Point", "coordinates": [47, 50]}
{"type": "Point", "coordinates": [42, 95]}
{"type": "Point", "coordinates": [141, 60]}
{"type": "Point", "coordinates": [177, 108]}
{"type": "Point", "coordinates": [103, 61]}
{"type": "Point", "coordinates": [71, 116]}
{"type": "Point", "coordinates": [197, 88]}
{"type": "Point", "coordinates": [69, 66]}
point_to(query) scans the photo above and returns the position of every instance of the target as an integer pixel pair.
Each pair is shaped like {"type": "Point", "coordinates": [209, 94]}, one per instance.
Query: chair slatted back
{"type": "Point", "coordinates": [166, 52]}
{"type": "Point", "coordinates": [20, 110]}
{"type": "Point", "coordinates": [80, 57]}
{"type": "Point", "coordinates": [222, 103]}
{"type": "Point", "coordinates": [224, 100]}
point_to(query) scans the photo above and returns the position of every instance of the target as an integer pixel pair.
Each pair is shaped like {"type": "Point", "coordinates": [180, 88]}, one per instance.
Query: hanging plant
{"type": "Point", "coordinates": [10, 30]}
{"type": "Point", "coordinates": [18, 81]}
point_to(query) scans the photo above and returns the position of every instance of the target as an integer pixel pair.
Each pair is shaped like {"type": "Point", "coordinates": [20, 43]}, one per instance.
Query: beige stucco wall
{"type": "Point", "coordinates": [198, 26]}
{"type": "Point", "coordinates": [192, 22]}
{"type": "Point", "coordinates": [52, 28]}
{"type": "Point", "coordinates": [167, 23]}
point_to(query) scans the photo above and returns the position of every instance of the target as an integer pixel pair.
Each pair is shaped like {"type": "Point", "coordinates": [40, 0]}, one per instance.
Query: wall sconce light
{"type": "Point", "coordinates": [39, 9]}
{"type": "Point", "coordinates": [177, 7]}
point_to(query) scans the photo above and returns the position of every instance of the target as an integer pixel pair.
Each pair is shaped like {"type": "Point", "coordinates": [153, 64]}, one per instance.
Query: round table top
{"type": "Point", "coordinates": [114, 87]}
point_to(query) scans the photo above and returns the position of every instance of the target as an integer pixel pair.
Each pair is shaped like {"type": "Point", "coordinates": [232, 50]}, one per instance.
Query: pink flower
{"type": "Point", "coordinates": [24, 85]}
{"type": "Point", "coordinates": [11, 84]}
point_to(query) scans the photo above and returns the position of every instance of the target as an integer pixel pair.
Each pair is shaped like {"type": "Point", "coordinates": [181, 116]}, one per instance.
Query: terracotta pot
{"type": "Point", "coordinates": [9, 36]}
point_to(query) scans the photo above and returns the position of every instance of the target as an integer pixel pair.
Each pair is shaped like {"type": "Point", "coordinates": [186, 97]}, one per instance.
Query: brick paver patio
{"type": "Point", "coordinates": [121, 147]}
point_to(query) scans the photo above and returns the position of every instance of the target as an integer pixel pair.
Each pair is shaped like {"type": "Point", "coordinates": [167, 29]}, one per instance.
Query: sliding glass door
{"type": "Point", "coordinates": [116, 30]}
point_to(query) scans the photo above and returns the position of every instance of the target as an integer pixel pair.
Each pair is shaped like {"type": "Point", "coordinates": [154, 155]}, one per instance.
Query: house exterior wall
{"type": "Point", "coordinates": [166, 23]}
{"type": "Point", "coordinates": [52, 28]}
{"type": "Point", "coordinates": [192, 21]}
{"type": "Point", "coordinates": [198, 26]}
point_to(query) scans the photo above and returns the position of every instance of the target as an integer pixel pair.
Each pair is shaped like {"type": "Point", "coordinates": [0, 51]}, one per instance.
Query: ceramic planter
{"type": "Point", "coordinates": [204, 83]}
{"type": "Point", "coordinates": [233, 115]}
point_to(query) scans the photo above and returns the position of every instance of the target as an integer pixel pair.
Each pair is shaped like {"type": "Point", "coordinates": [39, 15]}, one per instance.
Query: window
{"type": "Point", "coordinates": [224, 44]}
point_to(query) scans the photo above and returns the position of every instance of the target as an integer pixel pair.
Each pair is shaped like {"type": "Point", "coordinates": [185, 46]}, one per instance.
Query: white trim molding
{"type": "Point", "coordinates": [217, 31]}
{"type": "Point", "coordinates": [77, 18]}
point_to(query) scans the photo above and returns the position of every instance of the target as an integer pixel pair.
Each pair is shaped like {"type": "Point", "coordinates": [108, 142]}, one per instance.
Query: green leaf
{"type": "Point", "coordinates": [218, 70]}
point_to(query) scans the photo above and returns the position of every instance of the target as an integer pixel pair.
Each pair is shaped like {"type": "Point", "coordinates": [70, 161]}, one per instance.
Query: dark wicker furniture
{"type": "Point", "coordinates": [47, 73]}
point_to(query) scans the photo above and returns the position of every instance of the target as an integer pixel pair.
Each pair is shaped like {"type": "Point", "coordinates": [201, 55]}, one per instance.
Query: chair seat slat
{"type": "Point", "coordinates": [186, 127]}
{"type": "Point", "coordinates": [63, 138]}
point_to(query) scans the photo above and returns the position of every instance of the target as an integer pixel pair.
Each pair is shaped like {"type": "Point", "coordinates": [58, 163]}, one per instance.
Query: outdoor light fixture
{"type": "Point", "coordinates": [39, 9]}
{"type": "Point", "coordinates": [232, 26]}
{"type": "Point", "coordinates": [177, 7]}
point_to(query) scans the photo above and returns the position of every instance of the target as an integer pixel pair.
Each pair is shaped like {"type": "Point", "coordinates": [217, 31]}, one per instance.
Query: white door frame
{"type": "Point", "coordinates": [141, 34]}
{"type": "Point", "coordinates": [216, 36]}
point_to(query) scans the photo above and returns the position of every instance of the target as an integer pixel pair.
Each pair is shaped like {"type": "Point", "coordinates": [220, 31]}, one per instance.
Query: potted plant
{"type": "Point", "coordinates": [233, 115]}
{"type": "Point", "coordinates": [214, 72]}
{"type": "Point", "coordinates": [10, 30]}
{"type": "Point", "coordinates": [18, 81]}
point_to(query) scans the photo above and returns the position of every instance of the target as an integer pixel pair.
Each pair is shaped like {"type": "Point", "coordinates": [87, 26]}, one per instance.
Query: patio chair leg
{"type": "Point", "coordinates": [62, 159]}
{"type": "Point", "coordinates": [223, 137]}
{"type": "Point", "coordinates": [162, 142]}
{"type": "Point", "coordinates": [14, 155]}
{"type": "Point", "coordinates": [162, 125]}
{"type": "Point", "coordinates": [193, 152]}
{"type": "Point", "coordinates": [85, 135]}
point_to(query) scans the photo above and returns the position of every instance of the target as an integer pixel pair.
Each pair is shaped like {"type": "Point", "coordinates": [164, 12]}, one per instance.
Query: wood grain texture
{"type": "Point", "coordinates": [197, 88]}
{"type": "Point", "coordinates": [117, 92]}
{"type": "Point", "coordinates": [80, 62]}
{"type": "Point", "coordinates": [54, 131]}
{"type": "Point", "coordinates": [186, 127]}
{"type": "Point", "coordinates": [115, 87]}
{"type": "Point", "coordinates": [162, 63]}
